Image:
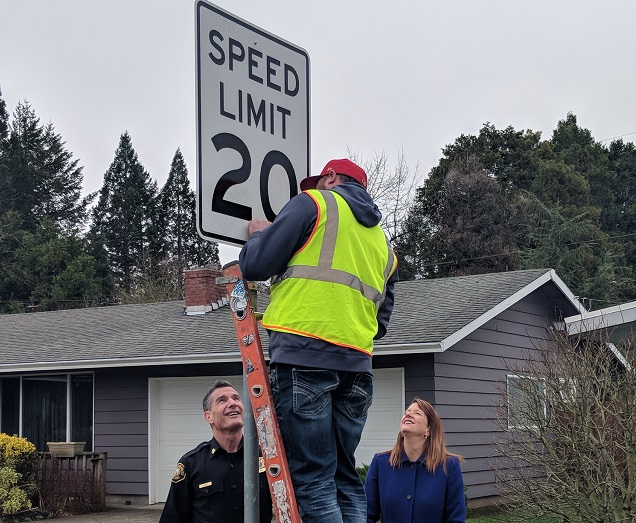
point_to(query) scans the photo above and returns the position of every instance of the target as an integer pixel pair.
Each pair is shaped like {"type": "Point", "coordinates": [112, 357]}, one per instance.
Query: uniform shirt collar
{"type": "Point", "coordinates": [216, 448]}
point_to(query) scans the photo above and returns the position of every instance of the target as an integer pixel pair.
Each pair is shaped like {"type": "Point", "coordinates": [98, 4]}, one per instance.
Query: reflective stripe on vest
{"type": "Point", "coordinates": [332, 289]}
{"type": "Point", "coordinates": [324, 272]}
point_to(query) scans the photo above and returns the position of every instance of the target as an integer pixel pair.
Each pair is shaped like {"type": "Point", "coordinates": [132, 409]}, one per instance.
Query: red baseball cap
{"type": "Point", "coordinates": [344, 166]}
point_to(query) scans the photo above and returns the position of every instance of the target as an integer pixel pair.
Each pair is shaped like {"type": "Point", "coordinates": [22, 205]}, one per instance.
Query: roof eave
{"type": "Point", "coordinates": [508, 302]}
{"type": "Point", "coordinates": [601, 319]}
{"type": "Point", "coordinates": [56, 366]}
{"type": "Point", "coordinates": [227, 357]}
{"type": "Point", "coordinates": [396, 349]}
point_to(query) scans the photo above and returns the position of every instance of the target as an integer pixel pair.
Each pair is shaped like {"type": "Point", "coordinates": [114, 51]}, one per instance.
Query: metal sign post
{"type": "Point", "coordinates": [260, 395]}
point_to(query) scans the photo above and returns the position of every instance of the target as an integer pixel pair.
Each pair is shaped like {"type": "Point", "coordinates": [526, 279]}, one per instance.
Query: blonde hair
{"type": "Point", "coordinates": [434, 446]}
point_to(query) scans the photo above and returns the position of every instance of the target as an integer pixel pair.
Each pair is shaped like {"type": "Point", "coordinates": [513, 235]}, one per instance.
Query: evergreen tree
{"type": "Point", "coordinates": [589, 185]}
{"type": "Point", "coordinates": [177, 221]}
{"type": "Point", "coordinates": [560, 185]}
{"type": "Point", "coordinates": [11, 287]}
{"type": "Point", "coordinates": [572, 246]}
{"type": "Point", "coordinates": [40, 177]}
{"type": "Point", "coordinates": [610, 175]}
{"type": "Point", "coordinates": [53, 271]}
{"type": "Point", "coordinates": [4, 142]}
{"type": "Point", "coordinates": [43, 263]}
{"type": "Point", "coordinates": [60, 184]}
{"type": "Point", "coordinates": [511, 157]}
{"type": "Point", "coordinates": [505, 200]}
{"type": "Point", "coordinates": [619, 218]}
{"type": "Point", "coordinates": [415, 245]}
{"type": "Point", "coordinates": [4, 123]}
{"type": "Point", "coordinates": [180, 246]}
{"type": "Point", "coordinates": [475, 227]}
{"type": "Point", "coordinates": [478, 225]}
{"type": "Point", "coordinates": [23, 152]}
{"type": "Point", "coordinates": [124, 218]}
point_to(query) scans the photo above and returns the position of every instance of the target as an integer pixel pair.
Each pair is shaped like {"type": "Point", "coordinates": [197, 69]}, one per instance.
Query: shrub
{"type": "Point", "coordinates": [18, 474]}
{"type": "Point", "coordinates": [13, 499]}
{"type": "Point", "coordinates": [568, 441]}
{"type": "Point", "coordinates": [362, 472]}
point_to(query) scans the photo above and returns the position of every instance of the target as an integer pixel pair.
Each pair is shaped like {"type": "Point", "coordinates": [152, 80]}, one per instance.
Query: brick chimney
{"type": "Point", "coordinates": [202, 294]}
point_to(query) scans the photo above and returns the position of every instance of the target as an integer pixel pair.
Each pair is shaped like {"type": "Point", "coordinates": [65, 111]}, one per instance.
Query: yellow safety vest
{"type": "Point", "coordinates": [334, 285]}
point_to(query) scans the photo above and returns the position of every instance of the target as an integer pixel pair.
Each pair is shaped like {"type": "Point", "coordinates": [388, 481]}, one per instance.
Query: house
{"type": "Point", "coordinates": [129, 379]}
{"type": "Point", "coordinates": [615, 323]}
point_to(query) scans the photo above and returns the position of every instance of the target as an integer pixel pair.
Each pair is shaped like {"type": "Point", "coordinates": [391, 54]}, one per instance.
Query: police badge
{"type": "Point", "coordinates": [179, 473]}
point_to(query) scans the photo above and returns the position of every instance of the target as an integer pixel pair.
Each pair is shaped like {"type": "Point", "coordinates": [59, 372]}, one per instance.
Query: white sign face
{"type": "Point", "coordinates": [252, 123]}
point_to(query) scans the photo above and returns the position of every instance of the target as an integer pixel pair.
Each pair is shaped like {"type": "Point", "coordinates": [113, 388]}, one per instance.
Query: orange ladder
{"type": "Point", "coordinates": [245, 322]}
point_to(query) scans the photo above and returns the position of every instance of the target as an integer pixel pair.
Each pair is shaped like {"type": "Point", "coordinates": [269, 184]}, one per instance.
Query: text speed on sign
{"type": "Point", "coordinates": [252, 123]}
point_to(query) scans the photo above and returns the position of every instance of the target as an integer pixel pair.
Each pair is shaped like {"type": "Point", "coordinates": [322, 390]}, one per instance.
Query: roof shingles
{"type": "Point", "coordinates": [426, 311]}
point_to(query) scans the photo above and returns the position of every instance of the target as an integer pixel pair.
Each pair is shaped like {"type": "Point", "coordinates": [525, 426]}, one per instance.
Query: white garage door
{"type": "Point", "coordinates": [177, 425]}
{"type": "Point", "coordinates": [385, 413]}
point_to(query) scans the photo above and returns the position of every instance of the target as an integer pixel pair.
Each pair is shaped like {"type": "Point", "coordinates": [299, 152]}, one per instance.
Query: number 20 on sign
{"type": "Point", "coordinates": [252, 123]}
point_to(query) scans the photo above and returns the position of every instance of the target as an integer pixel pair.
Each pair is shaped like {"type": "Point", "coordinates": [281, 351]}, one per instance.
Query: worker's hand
{"type": "Point", "coordinates": [257, 226]}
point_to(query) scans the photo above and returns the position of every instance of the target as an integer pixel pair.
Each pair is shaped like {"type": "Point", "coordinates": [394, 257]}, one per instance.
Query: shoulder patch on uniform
{"type": "Point", "coordinates": [261, 464]}
{"type": "Point", "coordinates": [179, 473]}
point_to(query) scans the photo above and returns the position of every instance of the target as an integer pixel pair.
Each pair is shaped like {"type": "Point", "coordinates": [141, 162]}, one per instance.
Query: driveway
{"type": "Point", "coordinates": [119, 514]}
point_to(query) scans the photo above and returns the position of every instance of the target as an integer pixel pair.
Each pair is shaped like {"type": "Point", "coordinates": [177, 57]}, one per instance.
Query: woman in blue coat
{"type": "Point", "coordinates": [418, 481]}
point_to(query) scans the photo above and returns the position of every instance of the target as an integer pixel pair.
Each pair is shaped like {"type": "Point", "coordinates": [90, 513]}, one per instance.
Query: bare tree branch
{"type": "Point", "coordinates": [392, 189]}
{"type": "Point", "coordinates": [568, 423]}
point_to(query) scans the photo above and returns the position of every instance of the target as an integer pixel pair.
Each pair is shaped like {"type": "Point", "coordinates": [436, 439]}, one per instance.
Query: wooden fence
{"type": "Point", "coordinates": [76, 484]}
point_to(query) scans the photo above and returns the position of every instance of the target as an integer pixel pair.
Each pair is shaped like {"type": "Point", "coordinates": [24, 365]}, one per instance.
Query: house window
{"type": "Point", "coordinates": [9, 406]}
{"type": "Point", "coordinates": [48, 408]}
{"type": "Point", "coordinates": [526, 401]}
{"type": "Point", "coordinates": [44, 409]}
{"type": "Point", "coordinates": [567, 390]}
{"type": "Point", "coordinates": [82, 409]}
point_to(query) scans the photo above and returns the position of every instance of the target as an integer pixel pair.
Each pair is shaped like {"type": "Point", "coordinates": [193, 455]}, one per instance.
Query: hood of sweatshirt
{"type": "Point", "coordinates": [360, 202]}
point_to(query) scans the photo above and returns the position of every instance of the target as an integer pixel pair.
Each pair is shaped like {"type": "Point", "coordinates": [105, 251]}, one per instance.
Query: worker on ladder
{"type": "Point", "coordinates": [332, 290]}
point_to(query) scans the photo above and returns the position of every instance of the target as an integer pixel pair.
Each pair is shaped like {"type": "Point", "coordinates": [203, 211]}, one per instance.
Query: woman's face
{"type": "Point", "coordinates": [414, 421]}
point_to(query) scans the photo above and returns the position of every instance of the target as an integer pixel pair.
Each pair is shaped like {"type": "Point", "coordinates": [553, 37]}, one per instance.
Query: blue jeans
{"type": "Point", "coordinates": [321, 414]}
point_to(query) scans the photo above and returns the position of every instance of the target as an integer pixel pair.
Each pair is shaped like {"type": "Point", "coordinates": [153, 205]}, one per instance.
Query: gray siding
{"type": "Point", "coordinates": [121, 428]}
{"type": "Point", "coordinates": [121, 420]}
{"type": "Point", "coordinates": [418, 374]}
{"type": "Point", "coordinates": [469, 378]}
{"type": "Point", "coordinates": [462, 383]}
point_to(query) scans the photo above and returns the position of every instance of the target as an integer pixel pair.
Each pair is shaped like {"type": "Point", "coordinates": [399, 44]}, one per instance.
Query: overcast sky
{"type": "Point", "coordinates": [410, 75]}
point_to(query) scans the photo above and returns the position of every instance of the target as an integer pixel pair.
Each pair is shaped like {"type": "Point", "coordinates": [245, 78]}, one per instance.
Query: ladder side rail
{"type": "Point", "coordinates": [260, 395]}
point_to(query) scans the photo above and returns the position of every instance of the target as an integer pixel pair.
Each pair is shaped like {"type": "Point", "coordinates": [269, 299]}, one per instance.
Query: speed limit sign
{"type": "Point", "coordinates": [252, 123]}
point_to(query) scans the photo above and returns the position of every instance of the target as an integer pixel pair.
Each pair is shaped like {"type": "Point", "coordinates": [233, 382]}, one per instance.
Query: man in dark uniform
{"type": "Point", "coordinates": [207, 486]}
